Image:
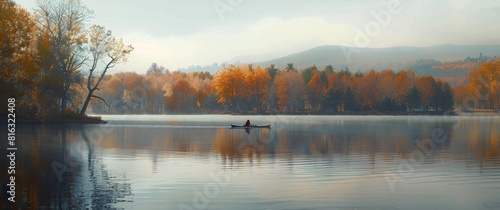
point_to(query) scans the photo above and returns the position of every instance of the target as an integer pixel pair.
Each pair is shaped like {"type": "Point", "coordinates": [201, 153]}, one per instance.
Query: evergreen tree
{"type": "Point", "coordinates": [447, 98]}
{"type": "Point", "coordinates": [272, 72]}
{"type": "Point", "coordinates": [331, 100]}
{"type": "Point", "coordinates": [413, 99]}
{"type": "Point", "coordinates": [308, 73]}
{"type": "Point", "coordinates": [350, 103]}
{"type": "Point", "coordinates": [329, 68]}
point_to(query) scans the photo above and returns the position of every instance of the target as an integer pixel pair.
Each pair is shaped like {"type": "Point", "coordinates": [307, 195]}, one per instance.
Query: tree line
{"type": "Point", "coordinates": [483, 88]}
{"type": "Point", "coordinates": [249, 89]}
{"type": "Point", "coordinates": [52, 61]}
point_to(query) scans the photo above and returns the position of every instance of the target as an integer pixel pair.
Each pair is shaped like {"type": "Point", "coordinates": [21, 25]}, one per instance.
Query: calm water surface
{"type": "Point", "coordinates": [303, 162]}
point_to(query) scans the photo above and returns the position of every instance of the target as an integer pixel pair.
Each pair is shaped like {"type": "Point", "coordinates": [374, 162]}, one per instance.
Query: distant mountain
{"type": "Point", "coordinates": [364, 59]}
{"type": "Point", "coordinates": [423, 60]}
{"type": "Point", "coordinates": [210, 68]}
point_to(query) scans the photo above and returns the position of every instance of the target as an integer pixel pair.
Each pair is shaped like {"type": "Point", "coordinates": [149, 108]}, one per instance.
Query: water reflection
{"type": "Point", "coordinates": [300, 159]}
{"type": "Point", "coordinates": [58, 168]}
{"type": "Point", "coordinates": [386, 138]}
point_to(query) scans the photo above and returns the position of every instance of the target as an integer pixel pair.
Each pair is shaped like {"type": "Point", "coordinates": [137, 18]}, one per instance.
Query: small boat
{"type": "Point", "coordinates": [250, 126]}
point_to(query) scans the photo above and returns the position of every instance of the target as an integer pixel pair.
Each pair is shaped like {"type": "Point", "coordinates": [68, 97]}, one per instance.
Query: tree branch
{"type": "Point", "coordinates": [108, 66]}
{"type": "Point", "coordinates": [102, 99]}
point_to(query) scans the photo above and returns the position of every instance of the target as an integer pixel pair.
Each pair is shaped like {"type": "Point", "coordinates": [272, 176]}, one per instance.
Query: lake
{"type": "Point", "coordinates": [302, 162]}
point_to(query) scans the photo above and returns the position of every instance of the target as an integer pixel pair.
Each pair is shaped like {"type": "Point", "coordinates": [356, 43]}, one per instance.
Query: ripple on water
{"type": "Point", "coordinates": [329, 162]}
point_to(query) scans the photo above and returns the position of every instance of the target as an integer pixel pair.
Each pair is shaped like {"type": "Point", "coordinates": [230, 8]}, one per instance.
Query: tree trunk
{"type": "Point", "coordinates": [63, 104]}
{"type": "Point", "coordinates": [86, 104]}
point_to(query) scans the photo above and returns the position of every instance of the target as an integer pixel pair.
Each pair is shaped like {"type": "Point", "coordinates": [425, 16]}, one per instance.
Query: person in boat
{"type": "Point", "coordinates": [247, 123]}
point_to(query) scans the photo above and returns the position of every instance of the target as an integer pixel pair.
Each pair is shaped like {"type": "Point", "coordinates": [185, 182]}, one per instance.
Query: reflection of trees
{"type": "Point", "coordinates": [85, 184]}
{"type": "Point", "coordinates": [373, 139]}
{"type": "Point", "coordinates": [101, 189]}
{"type": "Point", "coordinates": [88, 183]}
{"type": "Point", "coordinates": [484, 141]}
{"type": "Point", "coordinates": [239, 144]}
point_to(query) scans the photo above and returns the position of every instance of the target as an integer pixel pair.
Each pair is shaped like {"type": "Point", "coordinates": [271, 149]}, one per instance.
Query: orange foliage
{"type": "Point", "coordinates": [290, 90]}
{"type": "Point", "coordinates": [283, 92]}
{"type": "Point", "coordinates": [19, 72]}
{"type": "Point", "coordinates": [228, 83]}
{"type": "Point", "coordinates": [368, 89]}
{"type": "Point", "coordinates": [316, 89]}
{"type": "Point", "coordinates": [236, 84]}
{"type": "Point", "coordinates": [256, 85]}
{"type": "Point", "coordinates": [386, 81]}
{"type": "Point", "coordinates": [426, 85]}
{"type": "Point", "coordinates": [485, 82]}
{"type": "Point", "coordinates": [402, 86]}
{"type": "Point", "coordinates": [182, 92]}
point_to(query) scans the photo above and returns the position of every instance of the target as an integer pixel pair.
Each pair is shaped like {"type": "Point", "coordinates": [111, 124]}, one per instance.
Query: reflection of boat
{"type": "Point", "coordinates": [250, 126]}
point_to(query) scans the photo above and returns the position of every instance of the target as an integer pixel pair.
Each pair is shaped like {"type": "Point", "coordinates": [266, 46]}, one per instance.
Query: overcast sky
{"type": "Point", "coordinates": [179, 33]}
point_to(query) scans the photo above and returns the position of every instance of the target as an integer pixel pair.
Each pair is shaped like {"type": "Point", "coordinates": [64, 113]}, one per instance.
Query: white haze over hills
{"type": "Point", "coordinates": [362, 59]}
{"type": "Point", "coordinates": [177, 34]}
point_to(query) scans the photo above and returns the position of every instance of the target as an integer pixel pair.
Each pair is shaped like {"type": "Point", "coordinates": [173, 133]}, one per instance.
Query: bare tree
{"type": "Point", "coordinates": [105, 52]}
{"type": "Point", "coordinates": [64, 21]}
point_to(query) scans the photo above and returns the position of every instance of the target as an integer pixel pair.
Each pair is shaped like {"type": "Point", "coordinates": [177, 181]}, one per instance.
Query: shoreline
{"type": "Point", "coordinates": [305, 113]}
{"type": "Point", "coordinates": [69, 120]}
{"type": "Point", "coordinates": [96, 119]}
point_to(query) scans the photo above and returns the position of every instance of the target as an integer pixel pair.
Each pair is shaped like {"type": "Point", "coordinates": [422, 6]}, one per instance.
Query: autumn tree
{"type": "Point", "coordinates": [64, 22]}
{"type": "Point", "coordinates": [427, 88]}
{"type": "Point", "coordinates": [334, 92]}
{"type": "Point", "coordinates": [103, 47]}
{"type": "Point", "coordinates": [153, 84]}
{"type": "Point", "coordinates": [133, 99]}
{"type": "Point", "coordinates": [485, 81]}
{"type": "Point", "coordinates": [290, 91]}
{"type": "Point", "coordinates": [283, 91]}
{"type": "Point", "coordinates": [228, 84]}
{"type": "Point", "coordinates": [116, 84]}
{"type": "Point", "coordinates": [368, 90]}
{"type": "Point", "coordinates": [18, 71]}
{"type": "Point", "coordinates": [386, 80]}
{"type": "Point", "coordinates": [315, 90]}
{"type": "Point", "coordinates": [256, 84]}
{"type": "Point", "coordinates": [386, 101]}
{"type": "Point", "coordinates": [402, 86]}
{"type": "Point", "coordinates": [182, 97]}
{"type": "Point", "coordinates": [202, 84]}
{"type": "Point", "coordinates": [460, 95]}
{"type": "Point", "coordinates": [49, 80]}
